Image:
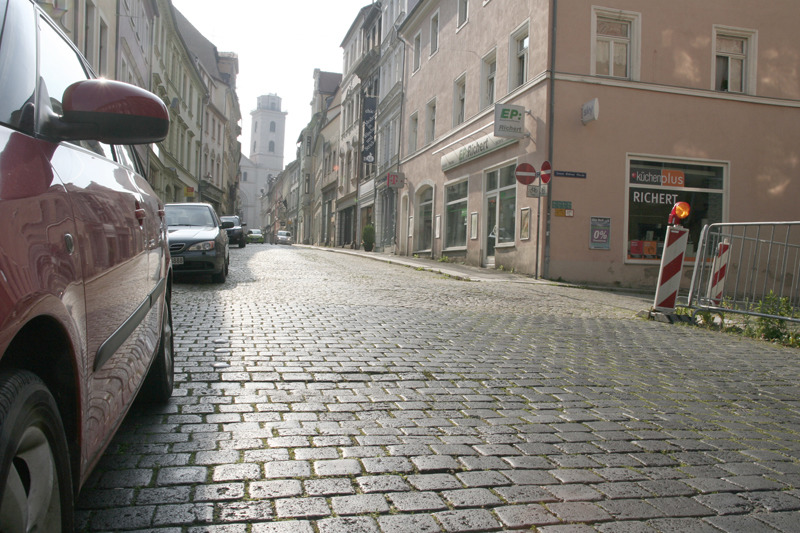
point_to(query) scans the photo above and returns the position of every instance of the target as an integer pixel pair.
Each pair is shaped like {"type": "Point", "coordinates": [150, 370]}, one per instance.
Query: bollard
{"type": "Point", "coordinates": [669, 276]}
{"type": "Point", "coordinates": [719, 268]}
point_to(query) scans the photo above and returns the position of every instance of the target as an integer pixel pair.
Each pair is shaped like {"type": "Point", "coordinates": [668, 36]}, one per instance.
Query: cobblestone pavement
{"type": "Point", "coordinates": [322, 392]}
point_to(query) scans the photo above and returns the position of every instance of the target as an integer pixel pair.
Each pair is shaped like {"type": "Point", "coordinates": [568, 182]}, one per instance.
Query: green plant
{"type": "Point", "coordinates": [769, 328]}
{"type": "Point", "coordinates": [368, 237]}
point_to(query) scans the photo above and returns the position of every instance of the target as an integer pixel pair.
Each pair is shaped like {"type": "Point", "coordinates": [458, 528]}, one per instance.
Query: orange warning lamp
{"type": "Point", "coordinates": [679, 212]}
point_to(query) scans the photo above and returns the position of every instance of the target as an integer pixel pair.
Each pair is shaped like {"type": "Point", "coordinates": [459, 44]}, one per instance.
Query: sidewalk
{"type": "Point", "coordinates": [474, 273]}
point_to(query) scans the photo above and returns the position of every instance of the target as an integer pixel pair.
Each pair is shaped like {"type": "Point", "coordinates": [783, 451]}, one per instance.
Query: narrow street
{"type": "Point", "coordinates": [325, 392]}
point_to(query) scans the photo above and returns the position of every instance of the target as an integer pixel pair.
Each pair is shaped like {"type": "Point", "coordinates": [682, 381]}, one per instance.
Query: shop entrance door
{"type": "Point", "coordinates": [491, 231]}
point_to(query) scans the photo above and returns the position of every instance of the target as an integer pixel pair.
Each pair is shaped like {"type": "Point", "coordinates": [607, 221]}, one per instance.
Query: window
{"type": "Point", "coordinates": [456, 215]}
{"type": "Point", "coordinates": [430, 128]}
{"type": "Point", "coordinates": [654, 187]}
{"type": "Point", "coordinates": [518, 64]}
{"type": "Point", "coordinates": [488, 77]}
{"type": "Point", "coordinates": [463, 12]}
{"type": "Point", "coordinates": [459, 100]}
{"type": "Point", "coordinates": [272, 126]}
{"type": "Point", "coordinates": [502, 185]}
{"type": "Point", "coordinates": [425, 218]}
{"type": "Point", "coordinates": [734, 60]}
{"type": "Point", "coordinates": [615, 47]}
{"type": "Point", "coordinates": [272, 147]}
{"type": "Point", "coordinates": [18, 62]}
{"type": "Point", "coordinates": [413, 126]}
{"type": "Point", "coordinates": [417, 51]}
{"type": "Point", "coordinates": [434, 33]}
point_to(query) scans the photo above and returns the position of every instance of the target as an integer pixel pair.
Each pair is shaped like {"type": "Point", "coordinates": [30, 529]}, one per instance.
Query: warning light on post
{"type": "Point", "coordinates": [679, 212]}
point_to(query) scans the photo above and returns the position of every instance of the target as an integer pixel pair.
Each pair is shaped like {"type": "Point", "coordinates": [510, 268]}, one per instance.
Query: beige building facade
{"type": "Point", "coordinates": [636, 105]}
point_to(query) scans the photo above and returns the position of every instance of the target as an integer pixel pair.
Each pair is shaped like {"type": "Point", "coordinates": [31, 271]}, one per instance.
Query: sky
{"type": "Point", "coordinates": [279, 44]}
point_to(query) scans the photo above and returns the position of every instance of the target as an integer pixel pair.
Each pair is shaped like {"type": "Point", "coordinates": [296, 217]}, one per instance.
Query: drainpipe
{"type": "Point", "coordinates": [551, 132]}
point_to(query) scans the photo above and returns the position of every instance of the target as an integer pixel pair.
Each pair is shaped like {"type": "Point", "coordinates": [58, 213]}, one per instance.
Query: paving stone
{"type": "Point", "coordinates": [416, 501]}
{"type": "Point", "coordinates": [348, 525]}
{"type": "Point", "coordinates": [284, 488]}
{"type": "Point", "coordinates": [301, 507]}
{"type": "Point", "coordinates": [359, 504]}
{"type": "Point", "coordinates": [287, 526]}
{"type": "Point", "coordinates": [386, 483]}
{"type": "Point", "coordinates": [471, 498]}
{"type": "Point", "coordinates": [467, 520]}
{"type": "Point", "coordinates": [408, 523]}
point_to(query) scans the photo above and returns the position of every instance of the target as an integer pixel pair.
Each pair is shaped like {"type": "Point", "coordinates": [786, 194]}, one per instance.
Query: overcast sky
{"type": "Point", "coordinates": [279, 44]}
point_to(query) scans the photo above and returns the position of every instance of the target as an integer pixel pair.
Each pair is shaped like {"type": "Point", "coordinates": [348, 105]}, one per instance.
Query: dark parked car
{"type": "Point", "coordinates": [198, 241]}
{"type": "Point", "coordinates": [236, 234]}
{"type": "Point", "coordinates": [85, 319]}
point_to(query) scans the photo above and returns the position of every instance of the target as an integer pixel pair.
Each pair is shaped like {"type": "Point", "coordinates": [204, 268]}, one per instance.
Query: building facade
{"type": "Point", "coordinates": [635, 106]}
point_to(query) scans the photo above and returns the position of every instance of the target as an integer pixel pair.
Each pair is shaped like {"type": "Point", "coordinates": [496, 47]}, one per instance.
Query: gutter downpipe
{"type": "Point", "coordinates": [551, 132]}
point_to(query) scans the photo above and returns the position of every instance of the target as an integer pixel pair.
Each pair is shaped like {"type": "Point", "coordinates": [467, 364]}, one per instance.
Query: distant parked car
{"type": "Point", "coordinates": [85, 316]}
{"type": "Point", "coordinates": [283, 237]}
{"type": "Point", "coordinates": [198, 241]}
{"type": "Point", "coordinates": [255, 235]}
{"type": "Point", "coordinates": [236, 233]}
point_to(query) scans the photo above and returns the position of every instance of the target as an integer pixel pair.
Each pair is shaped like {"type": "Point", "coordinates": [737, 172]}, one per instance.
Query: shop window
{"type": "Point", "coordinates": [615, 46]}
{"type": "Point", "coordinates": [425, 219]}
{"type": "Point", "coordinates": [654, 187]}
{"type": "Point", "coordinates": [456, 215]}
{"type": "Point", "coordinates": [501, 185]}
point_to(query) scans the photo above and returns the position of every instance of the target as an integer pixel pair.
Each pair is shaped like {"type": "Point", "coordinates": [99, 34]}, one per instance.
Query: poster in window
{"type": "Point", "coordinates": [525, 224]}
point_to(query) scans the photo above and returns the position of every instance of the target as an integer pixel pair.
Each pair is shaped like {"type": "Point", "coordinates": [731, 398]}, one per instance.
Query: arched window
{"type": "Point", "coordinates": [272, 126]}
{"type": "Point", "coordinates": [272, 147]}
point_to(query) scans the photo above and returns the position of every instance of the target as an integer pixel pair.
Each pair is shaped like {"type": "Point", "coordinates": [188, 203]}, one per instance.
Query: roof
{"type": "Point", "coordinates": [329, 82]}
{"type": "Point", "coordinates": [204, 50]}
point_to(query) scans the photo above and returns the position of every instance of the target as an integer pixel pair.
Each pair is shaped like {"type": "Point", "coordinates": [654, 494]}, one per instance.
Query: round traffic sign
{"type": "Point", "coordinates": [545, 172]}
{"type": "Point", "coordinates": [525, 173]}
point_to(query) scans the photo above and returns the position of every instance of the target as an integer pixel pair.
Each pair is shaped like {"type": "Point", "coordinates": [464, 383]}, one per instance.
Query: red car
{"type": "Point", "coordinates": [85, 274]}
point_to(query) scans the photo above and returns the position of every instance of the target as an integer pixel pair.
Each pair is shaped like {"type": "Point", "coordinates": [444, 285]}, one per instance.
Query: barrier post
{"type": "Point", "coordinates": [719, 268]}
{"type": "Point", "coordinates": [669, 275]}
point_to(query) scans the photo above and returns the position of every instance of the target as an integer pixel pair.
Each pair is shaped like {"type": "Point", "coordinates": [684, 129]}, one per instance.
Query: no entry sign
{"type": "Point", "coordinates": [546, 172]}
{"type": "Point", "coordinates": [525, 173]}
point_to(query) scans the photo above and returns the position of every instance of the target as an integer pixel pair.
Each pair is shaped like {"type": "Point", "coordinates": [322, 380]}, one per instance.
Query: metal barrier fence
{"type": "Point", "coordinates": [748, 268]}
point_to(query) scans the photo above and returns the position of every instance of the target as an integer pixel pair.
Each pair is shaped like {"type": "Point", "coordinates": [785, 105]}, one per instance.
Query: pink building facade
{"type": "Point", "coordinates": [636, 105]}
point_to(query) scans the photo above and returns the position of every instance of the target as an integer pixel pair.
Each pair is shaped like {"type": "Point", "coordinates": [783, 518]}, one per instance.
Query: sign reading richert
{"type": "Point", "coordinates": [368, 153]}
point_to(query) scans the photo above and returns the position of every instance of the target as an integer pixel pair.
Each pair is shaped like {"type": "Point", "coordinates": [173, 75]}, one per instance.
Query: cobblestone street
{"type": "Point", "coordinates": [326, 392]}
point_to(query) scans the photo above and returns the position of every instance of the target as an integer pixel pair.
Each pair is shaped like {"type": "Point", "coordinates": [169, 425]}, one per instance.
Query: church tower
{"type": "Point", "coordinates": [267, 133]}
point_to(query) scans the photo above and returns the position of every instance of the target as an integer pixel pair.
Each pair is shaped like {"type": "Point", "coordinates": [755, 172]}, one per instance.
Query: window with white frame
{"type": "Point", "coordinates": [413, 127]}
{"type": "Point", "coordinates": [734, 60]}
{"type": "Point", "coordinates": [455, 229]}
{"type": "Point", "coordinates": [463, 12]}
{"type": "Point", "coordinates": [430, 121]}
{"type": "Point", "coordinates": [615, 46]}
{"type": "Point", "coordinates": [488, 79]}
{"type": "Point", "coordinates": [459, 100]}
{"type": "Point", "coordinates": [434, 33]}
{"type": "Point", "coordinates": [417, 51]}
{"type": "Point", "coordinates": [502, 185]}
{"type": "Point", "coordinates": [518, 61]}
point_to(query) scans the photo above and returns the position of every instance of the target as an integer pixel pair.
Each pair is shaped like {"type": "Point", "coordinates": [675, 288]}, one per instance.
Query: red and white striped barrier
{"type": "Point", "coordinates": [669, 277]}
{"type": "Point", "coordinates": [719, 267]}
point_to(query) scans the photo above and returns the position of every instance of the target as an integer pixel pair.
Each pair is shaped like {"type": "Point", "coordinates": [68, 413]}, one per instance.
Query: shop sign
{"type": "Point", "coordinates": [600, 233]}
{"type": "Point", "coordinates": [395, 180]}
{"type": "Point", "coordinates": [474, 150]}
{"type": "Point", "coordinates": [368, 152]}
{"type": "Point", "coordinates": [645, 196]}
{"type": "Point", "coordinates": [663, 178]}
{"type": "Point", "coordinates": [508, 121]}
